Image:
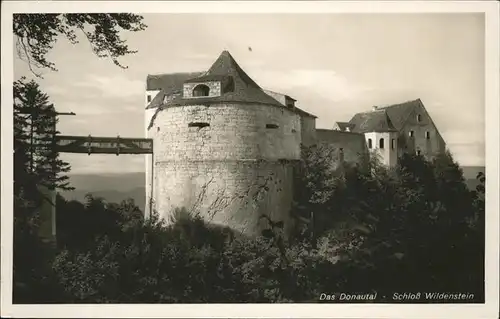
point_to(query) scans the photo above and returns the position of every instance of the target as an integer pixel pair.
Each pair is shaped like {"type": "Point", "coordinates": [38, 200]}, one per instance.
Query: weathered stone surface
{"type": "Point", "coordinates": [231, 193]}
{"type": "Point", "coordinates": [352, 145]}
{"type": "Point", "coordinates": [419, 142]}
{"type": "Point", "coordinates": [231, 163]}
{"type": "Point", "coordinates": [308, 130]}
{"type": "Point", "coordinates": [235, 131]}
{"type": "Point", "coordinates": [215, 88]}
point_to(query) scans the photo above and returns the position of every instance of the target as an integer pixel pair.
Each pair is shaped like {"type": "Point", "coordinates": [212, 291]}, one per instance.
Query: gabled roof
{"type": "Point", "coordinates": [169, 82]}
{"type": "Point", "coordinates": [245, 90]}
{"type": "Point", "coordinates": [281, 98]}
{"type": "Point", "coordinates": [343, 125]}
{"type": "Point", "coordinates": [399, 113]}
{"type": "Point", "coordinates": [374, 121]}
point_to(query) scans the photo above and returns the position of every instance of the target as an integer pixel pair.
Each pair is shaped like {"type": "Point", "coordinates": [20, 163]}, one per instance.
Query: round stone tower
{"type": "Point", "coordinates": [224, 149]}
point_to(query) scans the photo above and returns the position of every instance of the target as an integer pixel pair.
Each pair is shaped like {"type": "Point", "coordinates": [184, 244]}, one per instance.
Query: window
{"type": "Point", "coordinates": [201, 90]}
{"type": "Point", "coordinates": [271, 126]}
{"type": "Point", "coordinates": [419, 118]}
{"type": "Point", "coordinates": [198, 124]}
{"type": "Point", "coordinates": [369, 143]}
{"type": "Point", "coordinates": [381, 143]}
{"type": "Point", "coordinates": [149, 98]}
{"type": "Point", "coordinates": [427, 135]}
{"type": "Point", "coordinates": [411, 133]}
{"type": "Point", "coordinates": [418, 152]}
{"type": "Point", "coordinates": [393, 143]}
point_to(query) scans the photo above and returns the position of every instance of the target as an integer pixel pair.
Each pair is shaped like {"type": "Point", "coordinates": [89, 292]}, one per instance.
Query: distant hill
{"type": "Point", "coordinates": [118, 187]}
{"type": "Point", "coordinates": [470, 174]}
{"type": "Point", "coordinates": [112, 187]}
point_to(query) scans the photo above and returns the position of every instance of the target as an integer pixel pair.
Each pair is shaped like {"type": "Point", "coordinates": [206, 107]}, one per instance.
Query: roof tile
{"type": "Point", "coordinates": [396, 117]}
{"type": "Point", "coordinates": [245, 89]}
{"type": "Point", "coordinates": [169, 82]}
{"type": "Point", "coordinates": [374, 121]}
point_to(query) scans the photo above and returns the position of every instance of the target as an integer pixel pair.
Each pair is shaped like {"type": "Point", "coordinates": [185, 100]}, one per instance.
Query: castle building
{"type": "Point", "coordinates": [225, 148]}
{"type": "Point", "coordinates": [393, 130]}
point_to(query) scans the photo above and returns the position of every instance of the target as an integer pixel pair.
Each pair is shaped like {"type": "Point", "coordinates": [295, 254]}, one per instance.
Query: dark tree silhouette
{"type": "Point", "coordinates": [37, 168]}
{"type": "Point", "coordinates": [36, 34]}
{"type": "Point", "coordinates": [36, 159]}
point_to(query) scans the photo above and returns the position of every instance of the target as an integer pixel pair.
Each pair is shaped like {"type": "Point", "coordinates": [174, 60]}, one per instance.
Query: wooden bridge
{"type": "Point", "coordinates": [84, 145]}
{"type": "Point", "coordinates": [103, 145]}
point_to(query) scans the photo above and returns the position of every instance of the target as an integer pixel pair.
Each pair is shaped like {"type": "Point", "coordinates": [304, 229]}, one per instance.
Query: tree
{"type": "Point", "coordinates": [414, 235]}
{"type": "Point", "coordinates": [36, 34]}
{"type": "Point", "coordinates": [314, 184]}
{"type": "Point", "coordinates": [36, 167]}
{"type": "Point", "coordinates": [36, 158]}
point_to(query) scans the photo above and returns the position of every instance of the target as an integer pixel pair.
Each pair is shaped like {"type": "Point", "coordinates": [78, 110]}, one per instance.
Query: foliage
{"type": "Point", "coordinates": [34, 139]}
{"type": "Point", "coordinates": [38, 170]}
{"type": "Point", "coordinates": [36, 34]}
{"type": "Point", "coordinates": [37, 167]}
{"type": "Point", "coordinates": [395, 230]}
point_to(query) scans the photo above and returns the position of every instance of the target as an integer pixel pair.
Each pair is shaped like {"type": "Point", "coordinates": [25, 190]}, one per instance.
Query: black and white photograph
{"type": "Point", "coordinates": [297, 157]}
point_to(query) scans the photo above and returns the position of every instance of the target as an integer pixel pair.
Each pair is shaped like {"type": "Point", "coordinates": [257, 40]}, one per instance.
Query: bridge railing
{"type": "Point", "coordinates": [103, 145]}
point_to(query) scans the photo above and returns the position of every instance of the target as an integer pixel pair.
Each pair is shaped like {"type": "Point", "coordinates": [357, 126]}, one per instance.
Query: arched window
{"type": "Point", "coordinates": [393, 143]}
{"type": "Point", "coordinates": [381, 143]}
{"type": "Point", "coordinates": [427, 135]}
{"type": "Point", "coordinates": [419, 118]}
{"type": "Point", "coordinates": [201, 90]}
{"type": "Point", "coordinates": [369, 143]}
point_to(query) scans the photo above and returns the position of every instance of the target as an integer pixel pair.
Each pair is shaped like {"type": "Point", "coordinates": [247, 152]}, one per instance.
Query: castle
{"type": "Point", "coordinates": [225, 148]}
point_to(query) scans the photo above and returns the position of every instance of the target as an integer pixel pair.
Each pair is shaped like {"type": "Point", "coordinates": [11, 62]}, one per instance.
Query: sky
{"type": "Point", "coordinates": [334, 65]}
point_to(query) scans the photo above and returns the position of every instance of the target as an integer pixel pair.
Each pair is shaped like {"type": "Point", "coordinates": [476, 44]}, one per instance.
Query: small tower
{"type": "Point", "coordinates": [382, 138]}
{"type": "Point", "coordinates": [380, 134]}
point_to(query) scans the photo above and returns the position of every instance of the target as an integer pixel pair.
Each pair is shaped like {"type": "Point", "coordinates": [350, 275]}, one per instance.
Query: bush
{"type": "Point", "coordinates": [412, 228]}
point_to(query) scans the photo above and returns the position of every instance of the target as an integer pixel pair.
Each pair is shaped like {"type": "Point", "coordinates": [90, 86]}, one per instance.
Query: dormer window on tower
{"type": "Point", "coordinates": [201, 90]}
{"type": "Point", "coordinates": [208, 86]}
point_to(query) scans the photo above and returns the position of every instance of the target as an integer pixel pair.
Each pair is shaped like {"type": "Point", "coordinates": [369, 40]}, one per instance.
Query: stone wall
{"type": "Point", "coordinates": [230, 193]}
{"type": "Point", "coordinates": [226, 132]}
{"type": "Point", "coordinates": [427, 146]}
{"type": "Point", "coordinates": [308, 130]}
{"type": "Point", "coordinates": [352, 145]}
{"type": "Point", "coordinates": [148, 159]}
{"type": "Point", "coordinates": [229, 162]}
{"type": "Point", "coordinates": [215, 88]}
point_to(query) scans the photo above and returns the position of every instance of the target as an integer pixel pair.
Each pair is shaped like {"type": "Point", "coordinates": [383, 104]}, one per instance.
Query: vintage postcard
{"type": "Point", "coordinates": [250, 159]}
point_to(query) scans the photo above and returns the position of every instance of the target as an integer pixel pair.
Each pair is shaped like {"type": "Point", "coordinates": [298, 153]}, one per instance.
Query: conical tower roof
{"type": "Point", "coordinates": [225, 65]}
{"type": "Point", "coordinates": [226, 69]}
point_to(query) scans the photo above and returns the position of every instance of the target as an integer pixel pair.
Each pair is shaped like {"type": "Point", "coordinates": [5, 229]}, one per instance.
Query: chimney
{"type": "Point", "coordinates": [375, 108]}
